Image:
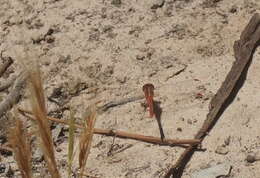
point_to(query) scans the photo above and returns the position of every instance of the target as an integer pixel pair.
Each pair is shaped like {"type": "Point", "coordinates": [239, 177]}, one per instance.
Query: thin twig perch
{"type": "Point", "coordinates": [243, 49]}
{"type": "Point", "coordinates": [121, 134]}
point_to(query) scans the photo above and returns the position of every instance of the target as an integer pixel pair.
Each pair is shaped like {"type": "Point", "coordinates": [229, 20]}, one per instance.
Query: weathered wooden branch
{"type": "Point", "coordinates": [14, 95]}
{"type": "Point", "coordinates": [7, 83]}
{"type": "Point", "coordinates": [243, 49]}
{"type": "Point", "coordinates": [122, 134]}
{"type": "Point", "coordinates": [5, 65]}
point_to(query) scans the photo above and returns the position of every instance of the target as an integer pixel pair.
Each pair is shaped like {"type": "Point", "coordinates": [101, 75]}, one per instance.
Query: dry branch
{"type": "Point", "coordinates": [7, 83]}
{"type": "Point", "coordinates": [243, 49]}
{"type": "Point", "coordinates": [5, 65]}
{"type": "Point", "coordinates": [14, 95]}
{"type": "Point", "coordinates": [121, 134]}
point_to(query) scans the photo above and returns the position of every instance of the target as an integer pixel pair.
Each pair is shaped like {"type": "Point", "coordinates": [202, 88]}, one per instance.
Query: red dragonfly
{"type": "Point", "coordinates": [148, 92]}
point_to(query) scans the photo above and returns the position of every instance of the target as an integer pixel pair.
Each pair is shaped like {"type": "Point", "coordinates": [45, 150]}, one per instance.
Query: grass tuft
{"type": "Point", "coordinates": [86, 137]}
{"type": "Point", "coordinates": [21, 148]}
{"type": "Point", "coordinates": [71, 141]}
{"type": "Point", "coordinates": [40, 113]}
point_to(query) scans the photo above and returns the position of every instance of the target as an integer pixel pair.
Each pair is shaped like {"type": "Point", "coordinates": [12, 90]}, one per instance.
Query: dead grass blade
{"type": "Point", "coordinates": [21, 148]}
{"type": "Point", "coordinates": [40, 113]}
{"type": "Point", "coordinates": [72, 129]}
{"type": "Point", "coordinates": [86, 137]}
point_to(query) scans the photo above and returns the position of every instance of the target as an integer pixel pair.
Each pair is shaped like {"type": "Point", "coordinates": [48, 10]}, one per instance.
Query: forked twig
{"type": "Point", "coordinates": [121, 134]}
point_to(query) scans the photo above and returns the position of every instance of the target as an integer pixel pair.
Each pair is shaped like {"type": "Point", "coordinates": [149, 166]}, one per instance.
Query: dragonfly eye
{"type": "Point", "coordinates": [148, 87]}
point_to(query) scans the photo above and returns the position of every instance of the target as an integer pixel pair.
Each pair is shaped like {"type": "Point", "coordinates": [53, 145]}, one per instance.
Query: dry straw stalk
{"type": "Point", "coordinates": [40, 112]}
{"type": "Point", "coordinates": [21, 148]}
{"type": "Point", "coordinates": [86, 137]}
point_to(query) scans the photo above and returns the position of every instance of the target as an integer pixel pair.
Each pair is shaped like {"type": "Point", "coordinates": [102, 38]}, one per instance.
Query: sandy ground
{"type": "Point", "coordinates": [182, 47]}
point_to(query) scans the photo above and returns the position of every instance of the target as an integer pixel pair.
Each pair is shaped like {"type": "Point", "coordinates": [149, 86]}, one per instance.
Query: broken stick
{"type": "Point", "coordinates": [122, 134]}
{"type": "Point", "coordinates": [243, 49]}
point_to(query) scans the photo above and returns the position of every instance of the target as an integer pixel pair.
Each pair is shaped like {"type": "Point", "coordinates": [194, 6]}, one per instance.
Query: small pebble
{"type": "Point", "coordinates": [58, 149]}
{"type": "Point", "coordinates": [189, 121]}
{"type": "Point", "coordinates": [250, 158]}
{"type": "Point", "coordinates": [116, 2]}
{"type": "Point", "coordinates": [233, 9]}
{"type": "Point", "coordinates": [182, 119]}
{"type": "Point", "coordinates": [253, 157]}
{"type": "Point", "coordinates": [179, 129]}
{"type": "Point", "coordinates": [49, 39]}
{"type": "Point", "coordinates": [38, 156]}
{"type": "Point", "coordinates": [221, 150]}
{"type": "Point", "coordinates": [157, 4]}
{"type": "Point", "coordinates": [63, 162]}
{"type": "Point", "coordinates": [148, 41]}
{"type": "Point", "coordinates": [121, 79]}
{"type": "Point", "coordinates": [140, 57]}
{"type": "Point", "coordinates": [2, 168]}
{"type": "Point", "coordinates": [227, 140]}
{"type": "Point", "coordinates": [10, 172]}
